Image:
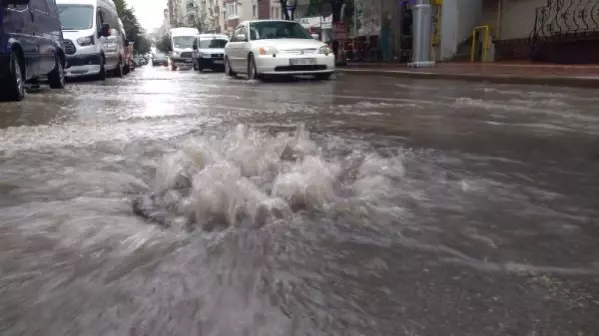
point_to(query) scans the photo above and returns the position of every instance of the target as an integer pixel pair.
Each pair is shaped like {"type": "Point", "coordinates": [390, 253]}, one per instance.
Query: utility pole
{"type": "Point", "coordinates": [421, 43]}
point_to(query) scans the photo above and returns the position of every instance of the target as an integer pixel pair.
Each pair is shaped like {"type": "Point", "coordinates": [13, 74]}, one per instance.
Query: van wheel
{"type": "Point", "coordinates": [56, 77]}
{"type": "Point", "coordinates": [15, 88]}
{"type": "Point", "coordinates": [102, 74]}
{"type": "Point", "coordinates": [118, 72]}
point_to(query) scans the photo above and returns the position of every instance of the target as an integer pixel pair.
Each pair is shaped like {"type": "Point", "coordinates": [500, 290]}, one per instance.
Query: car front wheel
{"type": "Point", "coordinates": [228, 70]}
{"type": "Point", "coordinates": [252, 70]}
{"type": "Point", "coordinates": [56, 78]}
{"type": "Point", "coordinates": [15, 80]}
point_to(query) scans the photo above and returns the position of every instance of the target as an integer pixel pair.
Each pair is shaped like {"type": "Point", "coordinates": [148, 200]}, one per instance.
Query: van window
{"type": "Point", "coordinates": [183, 41]}
{"type": "Point", "coordinates": [213, 43]}
{"type": "Point", "coordinates": [99, 20]}
{"type": "Point", "coordinates": [76, 17]}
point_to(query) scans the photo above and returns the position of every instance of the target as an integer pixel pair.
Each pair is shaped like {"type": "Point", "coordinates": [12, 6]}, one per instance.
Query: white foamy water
{"type": "Point", "coordinates": [250, 178]}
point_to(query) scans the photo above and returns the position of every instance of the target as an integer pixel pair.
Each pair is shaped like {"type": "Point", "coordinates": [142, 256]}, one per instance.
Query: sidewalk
{"type": "Point", "coordinates": [510, 73]}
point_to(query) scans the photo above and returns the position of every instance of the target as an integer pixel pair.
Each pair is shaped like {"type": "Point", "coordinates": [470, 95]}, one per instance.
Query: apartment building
{"type": "Point", "coordinates": [236, 11]}
{"type": "Point", "coordinates": [213, 16]}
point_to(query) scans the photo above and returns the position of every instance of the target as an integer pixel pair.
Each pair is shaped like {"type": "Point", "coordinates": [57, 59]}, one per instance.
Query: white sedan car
{"type": "Point", "coordinates": [276, 47]}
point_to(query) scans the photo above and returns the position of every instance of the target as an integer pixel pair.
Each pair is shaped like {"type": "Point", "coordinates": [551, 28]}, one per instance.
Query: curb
{"type": "Point", "coordinates": [581, 82]}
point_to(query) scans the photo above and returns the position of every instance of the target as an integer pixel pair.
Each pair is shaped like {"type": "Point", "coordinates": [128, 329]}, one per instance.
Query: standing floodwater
{"type": "Point", "coordinates": [177, 203]}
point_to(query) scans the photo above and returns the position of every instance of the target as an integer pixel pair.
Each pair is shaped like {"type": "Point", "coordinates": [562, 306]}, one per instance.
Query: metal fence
{"type": "Point", "coordinates": [564, 20]}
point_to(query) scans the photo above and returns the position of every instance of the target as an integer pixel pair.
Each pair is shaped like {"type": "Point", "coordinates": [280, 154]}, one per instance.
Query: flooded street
{"type": "Point", "coordinates": [180, 203]}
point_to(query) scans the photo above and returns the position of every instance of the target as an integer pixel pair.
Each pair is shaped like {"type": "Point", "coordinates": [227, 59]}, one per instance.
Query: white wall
{"type": "Point", "coordinates": [458, 19]}
{"type": "Point", "coordinates": [518, 17]}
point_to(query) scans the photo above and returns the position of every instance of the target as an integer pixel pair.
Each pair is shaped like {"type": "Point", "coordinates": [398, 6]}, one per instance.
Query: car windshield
{"type": "Point", "coordinates": [160, 55]}
{"type": "Point", "coordinates": [76, 17]}
{"type": "Point", "coordinates": [183, 42]}
{"type": "Point", "coordinates": [265, 30]}
{"type": "Point", "coordinates": [213, 44]}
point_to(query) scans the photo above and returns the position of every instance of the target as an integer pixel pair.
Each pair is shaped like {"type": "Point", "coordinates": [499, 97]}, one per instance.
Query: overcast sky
{"type": "Point", "coordinates": [148, 12]}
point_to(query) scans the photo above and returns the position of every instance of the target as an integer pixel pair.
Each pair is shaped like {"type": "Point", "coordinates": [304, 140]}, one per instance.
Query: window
{"type": "Point", "coordinates": [265, 30]}
{"type": "Point", "coordinates": [232, 10]}
{"type": "Point", "coordinates": [76, 17]}
{"type": "Point", "coordinates": [213, 44]}
{"type": "Point", "coordinates": [254, 11]}
{"type": "Point", "coordinates": [183, 41]}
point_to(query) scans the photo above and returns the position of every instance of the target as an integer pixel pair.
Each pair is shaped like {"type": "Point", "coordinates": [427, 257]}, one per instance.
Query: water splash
{"type": "Point", "coordinates": [250, 178]}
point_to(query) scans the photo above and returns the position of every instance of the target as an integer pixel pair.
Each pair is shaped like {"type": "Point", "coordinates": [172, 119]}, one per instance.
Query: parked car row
{"type": "Point", "coordinates": [257, 49]}
{"type": "Point", "coordinates": [50, 40]}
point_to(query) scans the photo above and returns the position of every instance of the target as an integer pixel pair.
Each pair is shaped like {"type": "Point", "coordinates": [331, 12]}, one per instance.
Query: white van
{"type": "Point", "coordinates": [181, 44]}
{"type": "Point", "coordinates": [209, 52]}
{"type": "Point", "coordinates": [92, 36]}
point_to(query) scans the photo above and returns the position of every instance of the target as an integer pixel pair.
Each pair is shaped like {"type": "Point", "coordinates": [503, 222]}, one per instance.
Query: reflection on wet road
{"type": "Point", "coordinates": [401, 207]}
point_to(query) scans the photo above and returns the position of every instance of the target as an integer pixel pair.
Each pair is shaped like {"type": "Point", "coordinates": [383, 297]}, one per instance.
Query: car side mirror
{"type": "Point", "coordinates": [105, 31]}
{"type": "Point", "coordinates": [15, 2]}
{"type": "Point", "coordinates": [195, 46]}
{"type": "Point", "coordinates": [241, 38]}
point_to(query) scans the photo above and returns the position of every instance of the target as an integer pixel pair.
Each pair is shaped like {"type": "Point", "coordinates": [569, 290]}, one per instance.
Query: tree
{"type": "Point", "coordinates": [164, 44]}
{"type": "Point", "coordinates": [284, 6]}
{"type": "Point", "coordinates": [132, 27]}
{"type": "Point", "coordinates": [336, 6]}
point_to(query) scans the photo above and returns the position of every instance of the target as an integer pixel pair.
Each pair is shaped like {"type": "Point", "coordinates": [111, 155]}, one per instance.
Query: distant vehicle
{"type": "Point", "coordinates": [159, 59]}
{"type": "Point", "coordinates": [209, 52]}
{"type": "Point", "coordinates": [277, 47]}
{"type": "Point", "coordinates": [31, 46]}
{"type": "Point", "coordinates": [94, 38]}
{"type": "Point", "coordinates": [181, 45]}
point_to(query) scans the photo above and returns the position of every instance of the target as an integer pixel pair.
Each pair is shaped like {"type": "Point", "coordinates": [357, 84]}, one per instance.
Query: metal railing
{"type": "Point", "coordinates": [485, 43]}
{"type": "Point", "coordinates": [564, 19]}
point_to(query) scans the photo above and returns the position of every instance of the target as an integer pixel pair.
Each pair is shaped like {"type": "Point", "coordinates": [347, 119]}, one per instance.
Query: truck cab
{"type": "Point", "coordinates": [181, 44]}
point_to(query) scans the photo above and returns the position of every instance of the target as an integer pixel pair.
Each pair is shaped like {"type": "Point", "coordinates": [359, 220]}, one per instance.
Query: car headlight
{"type": "Point", "coordinates": [176, 53]}
{"type": "Point", "coordinates": [204, 55]}
{"type": "Point", "coordinates": [324, 50]}
{"type": "Point", "coordinates": [267, 51]}
{"type": "Point", "coordinates": [85, 41]}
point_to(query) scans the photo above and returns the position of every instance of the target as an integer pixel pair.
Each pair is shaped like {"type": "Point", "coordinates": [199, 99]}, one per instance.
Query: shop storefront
{"type": "Point", "coordinates": [320, 26]}
{"type": "Point", "coordinates": [381, 30]}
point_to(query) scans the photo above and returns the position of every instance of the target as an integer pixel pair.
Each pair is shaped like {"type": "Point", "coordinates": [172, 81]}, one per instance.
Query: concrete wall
{"type": "Point", "coordinates": [458, 19]}
{"type": "Point", "coordinates": [518, 18]}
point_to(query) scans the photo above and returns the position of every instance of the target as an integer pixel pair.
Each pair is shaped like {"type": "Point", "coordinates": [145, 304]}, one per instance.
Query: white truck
{"type": "Point", "coordinates": [181, 46]}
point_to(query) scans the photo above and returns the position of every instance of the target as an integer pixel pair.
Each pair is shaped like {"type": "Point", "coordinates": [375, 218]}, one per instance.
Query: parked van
{"type": "Point", "coordinates": [209, 52]}
{"type": "Point", "coordinates": [31, 46]}
{"type": "Point", "coordinates": [181, 46]}
{"type": "Point", "coordinates": [93, 39]}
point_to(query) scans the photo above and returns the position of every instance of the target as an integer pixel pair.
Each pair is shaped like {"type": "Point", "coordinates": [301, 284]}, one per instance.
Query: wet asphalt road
{"type": "Point", "coordinates": [418, 208]}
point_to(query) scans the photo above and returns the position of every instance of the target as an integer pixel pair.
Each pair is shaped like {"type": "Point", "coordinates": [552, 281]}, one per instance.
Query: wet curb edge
{"type": "Point", "coordinates": [581, 82]}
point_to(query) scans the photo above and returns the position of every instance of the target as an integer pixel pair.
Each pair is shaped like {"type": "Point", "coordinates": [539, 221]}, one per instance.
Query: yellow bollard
{"type": "Point", "coordinates": [486, 42]}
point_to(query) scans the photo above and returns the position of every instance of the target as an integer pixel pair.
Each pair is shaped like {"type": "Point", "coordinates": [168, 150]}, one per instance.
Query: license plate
{"type": "Point", "coordinates": [187, 61]}
{"type": "Point", "coordinates": [302, 61]}
{"type": "Point", "coordinates": [219, 62]}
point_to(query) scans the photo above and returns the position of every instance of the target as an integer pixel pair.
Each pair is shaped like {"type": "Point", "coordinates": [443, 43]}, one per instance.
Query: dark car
{"type": "Point", "coordinates": [159, 59]}
{"type": "Point", "coordinates": [31, 46]}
